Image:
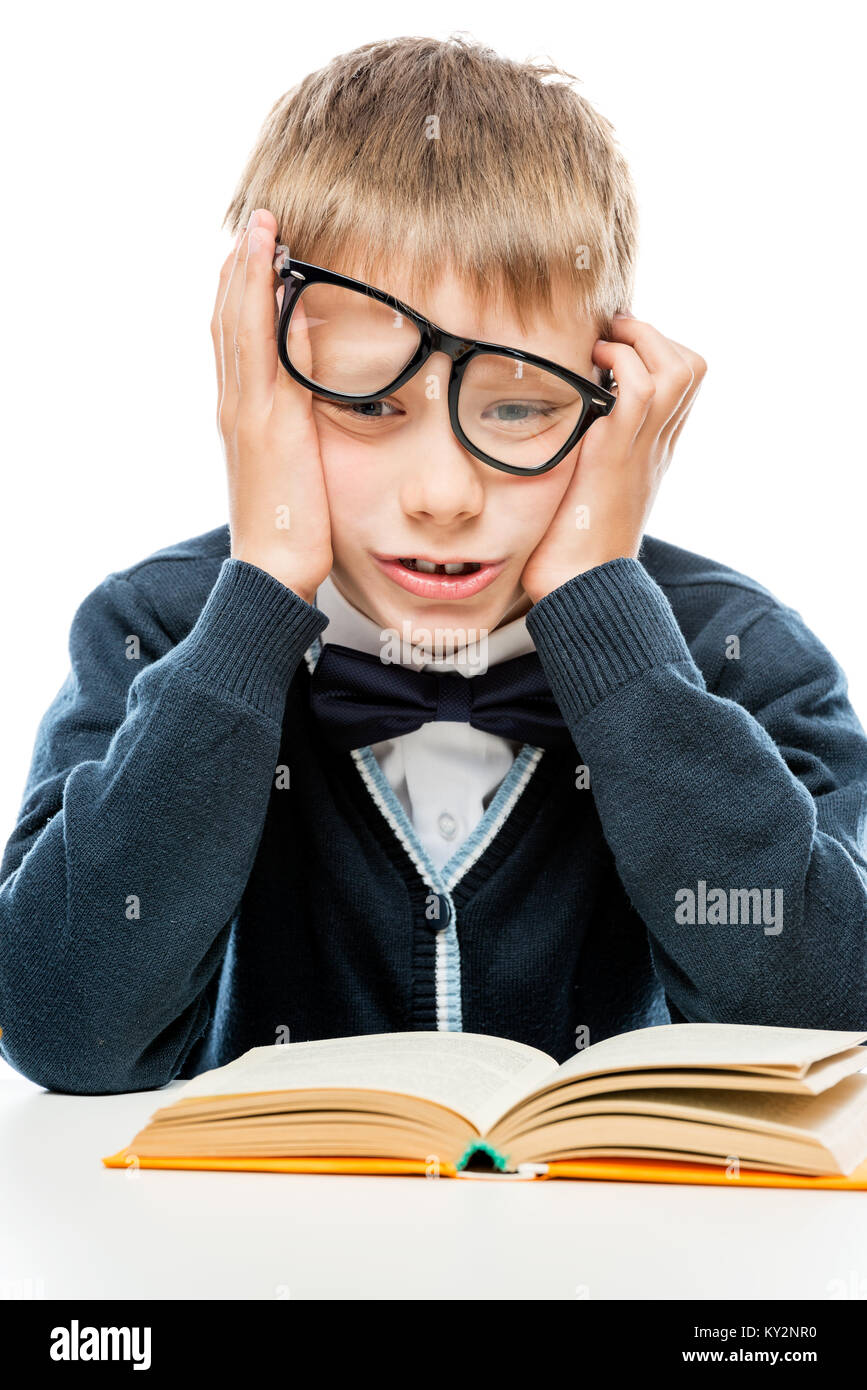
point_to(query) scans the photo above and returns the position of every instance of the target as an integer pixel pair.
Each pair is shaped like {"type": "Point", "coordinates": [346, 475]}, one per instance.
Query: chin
{"type": "Point", "coordinates": [471, 614]}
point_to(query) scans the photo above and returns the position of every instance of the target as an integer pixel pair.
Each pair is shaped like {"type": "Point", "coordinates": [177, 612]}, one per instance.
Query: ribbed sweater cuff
{"type": "Point", "coordinates": [250, 636]}
{"type": "Point", "coordinates": [600, 630]}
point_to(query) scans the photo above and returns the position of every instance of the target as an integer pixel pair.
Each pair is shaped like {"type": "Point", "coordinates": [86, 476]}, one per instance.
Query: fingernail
{"type": "Point", "coordinates": [623, 316]}
{"type": "Point", "coordinates": [254, 241]}
{"type": "Point", "coordinates": [254, 220]}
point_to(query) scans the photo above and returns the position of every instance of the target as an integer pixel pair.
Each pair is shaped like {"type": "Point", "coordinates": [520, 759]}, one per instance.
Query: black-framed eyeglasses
{"type": "Point", "coordinates": [354, 345]}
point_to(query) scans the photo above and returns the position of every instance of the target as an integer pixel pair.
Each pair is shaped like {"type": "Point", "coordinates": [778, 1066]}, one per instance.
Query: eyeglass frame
{"type": "Point", "coordinates": [296, 275]}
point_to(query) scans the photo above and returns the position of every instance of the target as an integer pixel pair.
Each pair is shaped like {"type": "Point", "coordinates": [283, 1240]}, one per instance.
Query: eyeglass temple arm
{"type": "Point", "coordinates": [281, 256]}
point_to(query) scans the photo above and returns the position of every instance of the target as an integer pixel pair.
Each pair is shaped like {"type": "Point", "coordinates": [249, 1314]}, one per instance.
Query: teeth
{"type": "Point", "coordinates": [429, 567]}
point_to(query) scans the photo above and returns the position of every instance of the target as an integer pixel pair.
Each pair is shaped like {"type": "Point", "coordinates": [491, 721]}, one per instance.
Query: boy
{"type": "Point", "coordinates": [245, 823]}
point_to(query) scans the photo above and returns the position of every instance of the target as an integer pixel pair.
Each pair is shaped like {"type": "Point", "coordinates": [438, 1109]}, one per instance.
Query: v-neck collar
{"type": "Point", "coordinates": [442, 881]}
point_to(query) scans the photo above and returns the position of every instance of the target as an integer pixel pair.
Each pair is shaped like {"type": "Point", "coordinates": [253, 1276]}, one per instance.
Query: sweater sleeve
{"type": "Point", "coordinates": [140, 820]}
{"type": "Point", "coordinates": [736, 817]}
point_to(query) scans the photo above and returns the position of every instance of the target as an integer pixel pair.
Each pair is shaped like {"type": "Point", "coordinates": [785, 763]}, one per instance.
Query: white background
{"type": "Point", "coordinates": [125, 130]}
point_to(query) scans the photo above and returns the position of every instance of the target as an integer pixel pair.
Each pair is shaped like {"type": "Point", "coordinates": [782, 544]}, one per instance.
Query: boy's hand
{"type": "Point", "coordinates": [622, 457]}
{"type": "Point", "coordinates": [278, 505]}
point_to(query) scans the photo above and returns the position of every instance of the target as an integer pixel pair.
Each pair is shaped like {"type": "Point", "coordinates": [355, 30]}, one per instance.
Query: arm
{"type": "Point", "coordinates": [146, 800]}
{"type": "Point", "coordinates": [763, 787]}
{"type": "Point", "coordinates": [141, 817]}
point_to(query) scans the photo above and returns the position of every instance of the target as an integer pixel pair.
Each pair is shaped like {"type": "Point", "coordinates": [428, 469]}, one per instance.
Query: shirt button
{"type": "Point", "coordinates": [437, 912]}
{"type": "Point", "coordinates": [447, 825]}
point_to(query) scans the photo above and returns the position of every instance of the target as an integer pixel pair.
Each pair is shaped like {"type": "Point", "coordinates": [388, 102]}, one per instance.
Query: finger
{"type": "Point", "coordinates": [635, 392]}
{"type": "Point", "coordinates": [670, 369]}
{"type": "Point", "coordinates": [697, 364]}
{"type": "Point", "coordinates": [287, 391]}
{"type": "Point", "coordinates": [255, 343]}
{"type": "Point", "coordinates": [216, 325]}
{"type": "Point", "coordinates": [671, 432]}
{"type": "Point", "coordinates": [226, 270]}
{"type": "Point", "coordinates": [658, 353]}
{"type": "Point", "coordinates": [231, 299]}
{"type": "Point", "coordinates": [229, 293]}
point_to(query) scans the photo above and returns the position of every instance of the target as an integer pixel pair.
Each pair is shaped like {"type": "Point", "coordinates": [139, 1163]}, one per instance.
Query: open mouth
{"type": "Point", "coordinates": [451, 567]}
{"type": "Point", "coordinates": [439, 580]}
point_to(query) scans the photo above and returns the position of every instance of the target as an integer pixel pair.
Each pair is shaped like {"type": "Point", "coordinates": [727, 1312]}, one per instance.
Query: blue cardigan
{"type": "Point", "coordinates": [193, 872]}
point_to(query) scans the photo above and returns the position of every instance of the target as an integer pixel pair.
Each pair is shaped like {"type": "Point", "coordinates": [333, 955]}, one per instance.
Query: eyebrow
{"type": "Point", "coordinates": [488, 373]}
{"type": "Point", "coordinates": [484, 372]}
{"type": "Point", "coordinates": [336, 358]}
{"type": "Point", "coordinates": [482, 378]}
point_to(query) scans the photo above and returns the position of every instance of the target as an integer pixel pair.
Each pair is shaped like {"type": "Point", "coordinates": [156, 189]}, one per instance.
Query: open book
{"type": "Point", "coordinates": [680, 1102]}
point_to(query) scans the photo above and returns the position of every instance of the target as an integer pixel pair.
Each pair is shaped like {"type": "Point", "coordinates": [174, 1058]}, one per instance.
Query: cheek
{"type": "Point", "coordinates": [535, 501]}
{"type": "Point", "coordinates": [352, 489]}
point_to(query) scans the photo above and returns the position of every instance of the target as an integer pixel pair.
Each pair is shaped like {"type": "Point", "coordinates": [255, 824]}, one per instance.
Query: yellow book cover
{"type": "Point", "coordinates": [624, 1170]}
{"type": "Point", "coordinates": [722, 1104]}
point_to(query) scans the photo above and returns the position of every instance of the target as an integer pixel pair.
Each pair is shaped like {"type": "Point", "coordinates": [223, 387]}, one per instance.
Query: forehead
{"type": "Point", "coordinates": [562, 332]}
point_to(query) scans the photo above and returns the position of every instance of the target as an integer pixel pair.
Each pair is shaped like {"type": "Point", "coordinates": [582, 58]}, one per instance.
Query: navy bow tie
{"type": "Point", "coordinates": [360, 700]}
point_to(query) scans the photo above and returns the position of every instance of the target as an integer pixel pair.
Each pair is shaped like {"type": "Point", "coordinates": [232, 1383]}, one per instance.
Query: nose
{"type": "Point", "coordinates": [442, 482]}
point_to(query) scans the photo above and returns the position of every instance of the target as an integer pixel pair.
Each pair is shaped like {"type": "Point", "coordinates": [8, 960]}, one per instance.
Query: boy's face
{"type": "Point", "coordinates": [401, 486]}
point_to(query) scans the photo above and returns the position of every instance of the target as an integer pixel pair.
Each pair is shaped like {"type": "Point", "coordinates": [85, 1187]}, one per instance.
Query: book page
{"type": "Point", "coordinates": [461, 1070]}
{"type": "Point", "coordinates": [710, 1045]}
{"type": "Point", "coordinates": [749, 1125]}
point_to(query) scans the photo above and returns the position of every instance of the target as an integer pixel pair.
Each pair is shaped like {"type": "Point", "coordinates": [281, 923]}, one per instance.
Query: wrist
{"type": "Point", "coordinates": [277, 571]}
{"type": "Point", "coordinates": [553, 579]}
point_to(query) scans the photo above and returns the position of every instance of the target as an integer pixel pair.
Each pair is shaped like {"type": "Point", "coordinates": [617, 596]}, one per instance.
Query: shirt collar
{"type": "Point", "coordinates": [351, 628]}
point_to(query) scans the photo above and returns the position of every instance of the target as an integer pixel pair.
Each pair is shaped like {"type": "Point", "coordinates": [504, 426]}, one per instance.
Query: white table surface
{"type": "Point", "coordinates": [71, 1228]}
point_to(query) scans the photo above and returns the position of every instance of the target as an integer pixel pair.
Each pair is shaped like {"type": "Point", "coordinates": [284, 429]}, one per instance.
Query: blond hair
{"type": "Point", "coordinates": [442, 155]}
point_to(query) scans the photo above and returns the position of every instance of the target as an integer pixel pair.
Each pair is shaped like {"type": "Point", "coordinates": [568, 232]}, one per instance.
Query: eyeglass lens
{"type": "Point", "coordinates": [345, 341]}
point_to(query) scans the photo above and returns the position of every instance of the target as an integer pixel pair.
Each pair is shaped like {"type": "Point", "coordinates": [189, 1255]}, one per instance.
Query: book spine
{"type": "Point", "coordinates": [479, 1146]}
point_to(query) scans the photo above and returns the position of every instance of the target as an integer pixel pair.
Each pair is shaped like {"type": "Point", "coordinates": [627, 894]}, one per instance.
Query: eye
{"type": "Point", "coordinates": [518, 412]}
{"type": "Point", "coordinates": [363, 410]}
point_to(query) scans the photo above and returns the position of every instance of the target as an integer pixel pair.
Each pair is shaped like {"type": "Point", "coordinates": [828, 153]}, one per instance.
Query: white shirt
{"type": "Point", "coordinates": [444, 773]}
